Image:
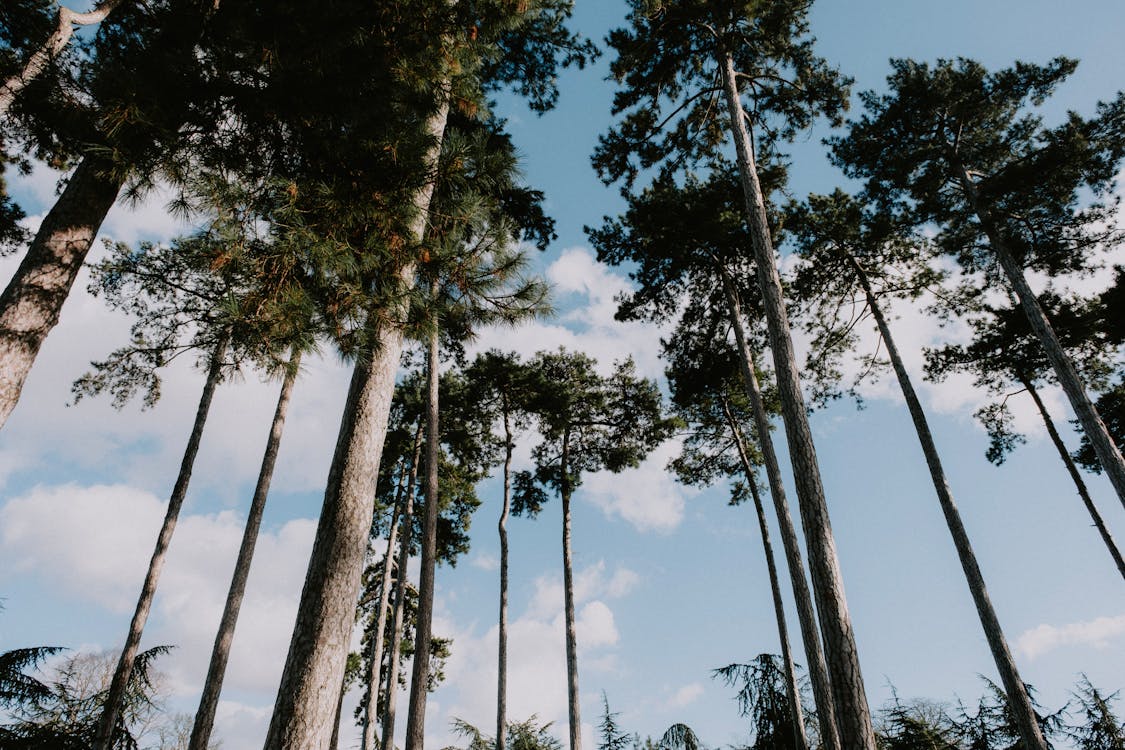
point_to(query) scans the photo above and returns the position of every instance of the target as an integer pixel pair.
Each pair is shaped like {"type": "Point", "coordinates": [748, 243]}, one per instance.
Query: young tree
{"type": "Point", "coordinates": [680, 65]}
{"type": "Point", "coordinates": [762, 698]}
{"type": "Point", "coordinates": [1099, 728]}
{"type": "Point", "coordinates": [955, 146]}
{"type": "Point", "coordinates": [586, 422]}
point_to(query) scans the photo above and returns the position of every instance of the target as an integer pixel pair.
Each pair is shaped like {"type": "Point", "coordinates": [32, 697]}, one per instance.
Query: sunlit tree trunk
{"type": "Point", "coordinates": [853, 715]}
{"type": "Point", "coordinates": [568, 601]}
{"type": "Point", "coordinates": [502, 638]}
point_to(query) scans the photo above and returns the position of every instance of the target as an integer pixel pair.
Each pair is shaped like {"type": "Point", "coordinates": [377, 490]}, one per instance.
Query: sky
{"type": "Point", "coordinates": [670, 580]}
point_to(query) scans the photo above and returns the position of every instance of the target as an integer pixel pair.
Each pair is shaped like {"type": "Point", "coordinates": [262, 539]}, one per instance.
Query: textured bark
{"type": "Point", "coordinates": [1109, 455]}
{"type": "Point", "coordinates": [220, 653]}
{"type": "Point", "coordinates": [388, 738]}
{"type": "Point", "coordinates": [806, 614]}
{"type": "Point", "coordinates": [335, 741]}
{"type": "Point", "coordinates": [302, 715]}
{"type": "Point", "coordinates": [116, 695]}
{"type": "Point", "coordinates": [568, 597]}
{"type": "Point", "coordinates": [51, 49]}
{"type": "Point", "coordinates": [1076, 477]}
{"type": "Point", "coordinates": [1018, 700]}
{"type": "Point", "coordinates": [796, 713]}
{"type": "Point", "coordinates": [375, 676]}
{"type": "Point", "coordinates": [30, 304]}
{"type": "Point", "coordinates": [853, 716]}
{"type": "Point", "coordinates": [420, 675]}
{"type": "Point", "coordinates": [502, 638]}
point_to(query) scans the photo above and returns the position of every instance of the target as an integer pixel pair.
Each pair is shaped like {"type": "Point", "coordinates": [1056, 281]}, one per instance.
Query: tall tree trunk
{"type": "Point", "coordinates": [111, 712]}
{"type": "Point", "coordinates": [1018, 699]}
{"type": "Point", "coordinates": [1109, 455]}
{"type": "Point", "coordinates": [395, 656]}
{"type": "Point", "coordinates": [375, 676]}
{"type": "Point", "coordinates": [853, 716]}
{"type": "Point", "coordinates": [1076, 477]}
{"type": "Point", "coordinates": [801, 741]}
{"type": "Point", "coordinates": [420, 675]}
{"type": "Point", "coordinates": [502, 647]}
{"type": "Point", "coordinates": [334, 743]}
{"type": "Point", "coordinates": [30, 304]}
{"type": "Point", "coordinates": [568, 599]}
{"type": "Point", "coordinates": [806, 614]}
{"type": "Point", "coordinates": [302, 714]}
{"type": "Point", "coordinates": [220, 653]}
{"type": "Point", "coordinates": [55, 44]}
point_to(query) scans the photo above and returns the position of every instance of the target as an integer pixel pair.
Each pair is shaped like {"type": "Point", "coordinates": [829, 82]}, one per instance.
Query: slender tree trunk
{"type": "Point", "coordinates": [302, 715]}
{"type": "Point", "coordinates": [806, 614]}
{"type": "Point", "coordinates": [335, 741]}
{"type": "Point", "coordinates": [853, 716]}
{"type": "Point", "coordinates": [420, 676]}
{"type": "Point", "coordinates": [502, 649]}
{"type": "Point", "coordinates": [801, 741]}
{"type": "Point", "coordinates": [1018, 699]}
{"type": "Point", "coordinates": [1076, 477]}
{"type": "Point", "coordinates": [30, 304]}
{"type": "Point", "coordinates": [568, 598]}
{"type": "Point", "coordinates": [374, 676]}
{"type": "Point", "coordinates": [388, 739]}
{"type": "Point", "coordinates": [220, 653]}
{"type": "Point", "coordinates": [1109, 455]}
{"type": "Point", "coordinates": [111, 712]}
{"type": "Point", "coordinates": [55, 44]}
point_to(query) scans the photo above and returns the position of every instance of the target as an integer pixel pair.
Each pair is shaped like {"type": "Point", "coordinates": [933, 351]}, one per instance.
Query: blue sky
{"type": "Point", "coordinates": [672, 583]}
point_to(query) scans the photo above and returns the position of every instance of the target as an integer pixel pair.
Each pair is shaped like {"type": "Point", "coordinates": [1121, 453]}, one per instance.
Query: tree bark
{"type": "Point", "coordinates": [33, 299]}
{"type": "Point", "coordinates": [806, 614]}
{"type": "Point", "coordinates": [302, 715]}
{"type": "Point", "coordinates": [220, 653]}
{"type": "Point", "coordinates": [796, 712]}
{"type": "Point", "coordinates": [388, 738]}
{"type": "Point", "coordinates": [1076, 477]}
{"type": "Point", "coordinates": [853, 716]}
{"type": "Point", "coordinates": [423, 626]}
{"type": "Point", "coordinates": [51, 49]}
{"type": "Point", "coordinates": [334, 743]}
{"type": "Point", "coordinates": [1018, 699]}
{"type": "Point", "coordinates": [1109, 455]}
{"type": "Point", "coordinates": [574, 712]}
{"type": "Point", "coordinates": [116, 695]}
{"type": "Point", "coordinates": [502, 646]}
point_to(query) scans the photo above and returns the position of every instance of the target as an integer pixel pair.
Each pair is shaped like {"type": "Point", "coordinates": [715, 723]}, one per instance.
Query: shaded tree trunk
{"type": "Point", "coordinates": [853, 715]}
{"type": "Point", "coordinates": [52, 48]}
{"type": "Point", "coordinates": [502, 638]}
{"type": "Point", "coordinates": [30, 304]}
{"type": "Point", "coordinates": [302, 715]}
{"type": "Point", "coordinates": [574, 713]}
{"type": "Point", "coordinates": [388, 739]}
{"type": "Point", "coordinates": [1109, 455]}
{"type": "Point", "coordinates": [116, 695]}
{"type": "Point", "coordinates": [335, 741]}
{"type": "Point", "coordinates": [1018, 700]}
{"type": "Point", "coordinates": [420, 675]}
{"type": "Point", "coordinates": [220, 653]}
{"type": "Point", "coordinates": [1076, 477]}
{"type": "Point", "coordinates": [806, 614]}
{"type": "Point", "coordinates": [800, 740]}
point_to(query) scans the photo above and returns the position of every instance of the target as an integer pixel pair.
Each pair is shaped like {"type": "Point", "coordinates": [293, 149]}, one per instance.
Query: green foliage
{"type": "Point", "coordinates": [763, 699]}
{"type": "Point", "coordinates": [522, 735]}
{"type": "Point", "coordinates": [1099, 728]}
{"type": "Point", "coordinates": [610, 734]}
{"type": "Point", "coordinates": [16, 686]}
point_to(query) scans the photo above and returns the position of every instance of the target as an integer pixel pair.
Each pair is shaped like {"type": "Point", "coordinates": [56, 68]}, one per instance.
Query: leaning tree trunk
{"type": "Point", "coordinates": [1076, 476]}
{"type": "Point", "coordinates": [30, 304]}
{"type": "Point", "coordinates": [853, 716]}
{"type": "Point", "coordinates": [302, 714]}
{"type": "Point", "coordinates": [800, 739]}
{"type": "Point", "coordinates": [388, 739]}
{"type": "Point", "coordinates": [568, 599]}
{"type": "Point", "coordinates": [1109, 455]}
{"type": "Point", "coordinates": [375, 676]}
{"type": "Point", "coordinates": [806, 614]}
{"type": "Point", "coordinates": [502, 638]}
{"type": "Point", "coordinates": [220, 653]}
{"type": "Point", "coordinates": [116, 695]}
{"type": "Point", "coordinates": [334, 743]}
{"type": "Point", "coordinates": [1018, 700]}
{"type": "Point", "coordinates": [420, 675]}
{"type": "Point", "coordinates": [51, 49]}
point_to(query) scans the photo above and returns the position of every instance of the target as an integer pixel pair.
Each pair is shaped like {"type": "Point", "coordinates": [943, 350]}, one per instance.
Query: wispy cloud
{"type": "Point", "coordinates": [1097, 633]}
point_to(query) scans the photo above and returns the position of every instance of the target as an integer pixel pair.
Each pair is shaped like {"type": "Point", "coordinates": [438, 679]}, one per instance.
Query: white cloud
{"type": "Point", "coordinates": [485, 561]}
{"type": "Point", "coordinates": [647, 497]}
{"type": "Point", "coordinates": [686, 695]}
{"type": "Point", "coordinates": [1097, 633]}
